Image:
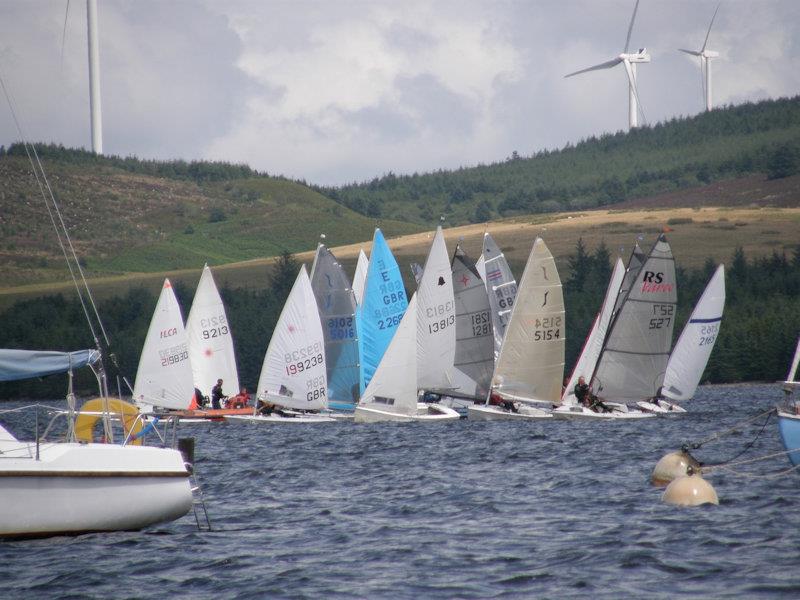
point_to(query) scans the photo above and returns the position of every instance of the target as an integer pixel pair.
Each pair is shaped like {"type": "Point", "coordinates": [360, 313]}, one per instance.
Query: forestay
{"type": "Point", "coordinates": [585, 365]}
{"type": "Point", "coordinates": [393, 389]}
{"type": "Point", "coordinates": [635, 353]}
{"type": "Point", "coordinates": [337, 311]}
{"type": "Point", "coordinates": [164, 377]}
{"type": "Point", "coordinates": [474, 336]}
{"type": "Point", "coordinates": [293, 373]}
{"type": "Point", "coordinates": [210, 341]}
{"type": "Point", "coordinates": [635, 263]}
{"type": "Point", "coordinates": [501, 286]}
{"type": "Point", "coordinates": [25, 364]}
{"type": "Point", "coordinates": [531, 362]}
{"type": "Point", "coordinates": [693, 348]}
{"type": "Point", "coordinates": [436, 320]}
{"type": "Point", "coordinates": [382, 308]}
{"type": "Point", "coordinates": [360, 277]}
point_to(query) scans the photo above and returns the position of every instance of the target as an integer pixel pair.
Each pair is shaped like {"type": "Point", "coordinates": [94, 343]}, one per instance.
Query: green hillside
{"type": "Point", "coordinates": [126, 215]}
{"type": "Point", "coordinates": [678, 154]}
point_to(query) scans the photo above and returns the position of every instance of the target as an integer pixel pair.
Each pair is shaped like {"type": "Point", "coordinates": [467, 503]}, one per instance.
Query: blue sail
{"type": "Point", "coordinates": [383, 307]}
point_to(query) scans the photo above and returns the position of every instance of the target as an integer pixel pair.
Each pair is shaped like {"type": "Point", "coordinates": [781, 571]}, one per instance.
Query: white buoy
{"type": "Point", "coordinates": [690, 490]}
{"type": "Point", "coordinates": [671, 466]}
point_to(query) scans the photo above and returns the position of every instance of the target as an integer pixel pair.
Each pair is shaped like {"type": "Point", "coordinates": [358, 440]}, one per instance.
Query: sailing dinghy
{"type": "Point", "coordinates": [789, 413]}
{"type": "Point", "coordinates": [692, 350]}
{"type": "Point", "coordinates": [381, 309]}
{"type": "Point", "coordinates": [530, 368]}
{"type": "Point", "coordinates": [636, 348]}
{"type": "Point", "coordinates": [337, 310]}
{"type": "Point", "coordinates": [474, 356]}
{"type": "Point", "coordinates": [292, 387]}
{"type": "Point", "coordinates": [392, 393]}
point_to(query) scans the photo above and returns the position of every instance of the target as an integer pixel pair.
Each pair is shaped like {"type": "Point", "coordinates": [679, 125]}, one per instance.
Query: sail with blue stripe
{"type": "Point", "coordinates": [382, 309]}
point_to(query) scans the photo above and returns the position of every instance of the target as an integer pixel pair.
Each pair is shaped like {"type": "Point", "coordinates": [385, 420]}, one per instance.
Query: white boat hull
{"type": "Point", "coordinates": [426, 413]}
{"type": "Point", "coordinates": [484, 412]}
{"type": "Point", "coordinates": [275, 419]}
{"type": "Point", "coordinates": [582, 412]}
{"type": "Point", "coordinates": [662, 408]}
{"type": "Point", "coordinates": [78, 488]}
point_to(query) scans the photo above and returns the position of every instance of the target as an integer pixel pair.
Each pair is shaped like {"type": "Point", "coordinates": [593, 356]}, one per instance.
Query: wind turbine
{"type": "Point", "coordinates": [630, 61]}
{"type": "Point", "coordinates": [94, 77]}
{"type": "Point", "coordinates": [705, 63]}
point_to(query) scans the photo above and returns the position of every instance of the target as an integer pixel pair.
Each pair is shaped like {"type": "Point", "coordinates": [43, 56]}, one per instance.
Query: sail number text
{"type": "Point", "coordinates": [662, 316]}
{"type": "Point", "coordinates": [445, 311]}
{"type": "Point", "coordinates": [547, 329]}
{"type": "Point", "coordinates": [481, 324]}
{"type": "Point", "coordinates": [341, 328]}
{"type": "Point", "coordinates": [316, 388]}
{"type": "Point", "coordinates": [708, 334]}
{"type": "Point", "coordinates": [302, 359]}
{"type": "Point", "coordinates": [173, 355]}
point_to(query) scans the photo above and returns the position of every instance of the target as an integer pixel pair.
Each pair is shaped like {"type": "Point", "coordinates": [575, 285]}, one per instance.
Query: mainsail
{"type": "Point", "coordinates": [393, 388]}
{"type": "Point", "coordinates": [474, 335]}
{"type": "Point", "coordinates": [360, 277]}
{"type": "Point", "coordinates": [585, 365]}
{"type": "Point", "coordinates": [164, 377]}
{"type": "Point", "coordinates": [501, 286]}
{"type": "Point", "coordinates": [791, 378]}
{"type": "Point", "coordinates": [636, 349]}
{"type": "Point", "coordinates": [337, 309]}
{"type": "Point", "coordinates": [382, 308]}
{"type": "Point", "coordinates": [293, 373]}
{"type": "Point", "coordinates": [210, 342]}
{"type": "Point", "coordinates": [693, 348]}
{"type": "Point", "coordinates": [531, 362]}
{"type": "Point", "coordinates": [436, 322]}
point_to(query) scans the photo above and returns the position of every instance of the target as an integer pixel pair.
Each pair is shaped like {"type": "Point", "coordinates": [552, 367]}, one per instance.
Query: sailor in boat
{"type": "Point", "coordinates": [658, 398]}
{"type": "Point", "coordinates": [217, 395]}
{"type": "Point", "coordinates": [240, 400]}
{"type": "Point", "coordinates": [200, 399]}
{"type": "Point", "coordinates": [500, 402]}
{"type": "Point", "coordinates": [587, 398]}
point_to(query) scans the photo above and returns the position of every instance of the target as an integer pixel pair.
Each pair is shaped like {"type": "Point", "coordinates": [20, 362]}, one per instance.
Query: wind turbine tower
{"type": "Point", "coordinates": [629, 60]}
{"type": "Point", "coordinates": [94, 78]}
{"type": "Point", "coordinates": [705, 62]}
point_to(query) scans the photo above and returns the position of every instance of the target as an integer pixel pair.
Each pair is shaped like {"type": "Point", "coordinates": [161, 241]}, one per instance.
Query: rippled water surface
{"type": "Point", "coordinates": [467, 510]}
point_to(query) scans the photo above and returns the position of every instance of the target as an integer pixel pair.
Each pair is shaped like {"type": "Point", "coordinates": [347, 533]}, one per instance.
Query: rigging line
{"type": "Point", "coordinates": [72, 249]}
{"type": "Point", "coordinates": [695, 446]}
{"type": "Point", "coordinates": [26, 144]}
{"type": "Point", "coordinates": [749, 445]}
{"type": "Point", "coordinates": [767, 476]}
{"type": "Point", "coordinates": [749, 461]}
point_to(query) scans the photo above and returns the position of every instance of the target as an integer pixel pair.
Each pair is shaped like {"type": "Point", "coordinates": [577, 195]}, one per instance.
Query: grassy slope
{"type": "Point", "coordinates": [127, 223]}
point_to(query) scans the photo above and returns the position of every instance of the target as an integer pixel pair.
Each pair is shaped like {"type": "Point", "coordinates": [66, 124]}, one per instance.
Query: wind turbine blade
{"type": "Point", "coordinates": [630, 27]}
{"type": "Point", "coordinates": [606, 65]}
{"type": "Point", "coordinates": [709, 29]}
{"type": "Point", "coordinates": [692, 52]}
{"type": "Point", "coordinates": [632, 83]}
{"type": "Point", "coordinates": [703, 77]}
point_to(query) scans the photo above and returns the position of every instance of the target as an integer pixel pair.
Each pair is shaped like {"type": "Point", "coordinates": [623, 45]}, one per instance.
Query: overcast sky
{"type": "Point", "coordinates": [334, 91]}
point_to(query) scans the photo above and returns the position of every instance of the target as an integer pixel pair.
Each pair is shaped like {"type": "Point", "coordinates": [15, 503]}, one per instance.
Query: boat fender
{"type": "Point", "coordinates": [186, 448]}
{"type": "Point", "coordinates": [671, 466]}
{"type": "Point", "coordinates": [690, 490]}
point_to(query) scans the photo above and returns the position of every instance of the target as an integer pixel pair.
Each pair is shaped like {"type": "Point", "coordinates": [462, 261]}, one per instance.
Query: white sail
{"type": "Point", "coordinates": [501, 286]}
{"type": "Point", "coordinates": [587, 360]}
{"type": "Point", "coordinates": [392, 387]}
{"type": "Point", "coordinates": [690, 355]}
{"type": "Point", "coordinates": [635, 263]}
{"type": "Point", "coordinates": [436, 322]}
{"type": "Point", "coordinates": [293, 374]}
{"type": "Point", "coordinates": [792, 376]}
{"type": "Point", "coordinates": [164, 376]}
{"type": "Point", "coordinates": [210, 341]}
{"type": "Point", "coordinates": [531, 362]}
{"type": "Point", "coordinates": [474, 337]}
{"type": "Point", "coordinates": [480, 266]}
{"type": "Point", "coordinates": [637, 346]}
{"type": "Point", "coordinates": [360, 277]}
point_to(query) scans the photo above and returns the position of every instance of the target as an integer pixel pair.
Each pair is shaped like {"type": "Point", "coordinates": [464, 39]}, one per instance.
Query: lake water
{"type": "Point", "coordinates": [460, 510]}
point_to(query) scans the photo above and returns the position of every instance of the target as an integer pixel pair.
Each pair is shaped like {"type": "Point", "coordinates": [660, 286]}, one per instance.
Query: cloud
{"type": "Point", "coordinates": [333, 92]}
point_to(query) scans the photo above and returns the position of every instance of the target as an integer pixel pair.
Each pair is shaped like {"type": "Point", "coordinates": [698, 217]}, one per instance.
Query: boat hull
{"type": "Point", "coordinates": [275, 419]}
{"type": "Point", "coordinates": [584, 413]}
{"type": "Point", "coordinates": [662, 408]}
{"type": "Point", "coordinates": [426, 413]}
{"type": "Point", "coordinates": [789, 427]}
{"type": "Point", "coordinates": [483, 412]}
{"type": "Point", "coordinates": [80, 488]}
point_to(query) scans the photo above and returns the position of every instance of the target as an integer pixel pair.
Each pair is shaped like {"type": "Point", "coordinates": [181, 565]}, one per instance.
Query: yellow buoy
{"type": "Point", "coordinates": [671, 466]}
{"type": "Point", "coordinates": [690, 490]}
